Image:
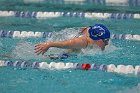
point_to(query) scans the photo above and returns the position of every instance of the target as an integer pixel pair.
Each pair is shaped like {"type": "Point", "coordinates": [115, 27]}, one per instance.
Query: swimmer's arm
{"type": "Point", "coordinates": [75, 43]}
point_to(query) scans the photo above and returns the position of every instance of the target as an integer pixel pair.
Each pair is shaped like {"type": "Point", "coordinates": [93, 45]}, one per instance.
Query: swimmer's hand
{"type": "Point", "coordinates": [41, 48]}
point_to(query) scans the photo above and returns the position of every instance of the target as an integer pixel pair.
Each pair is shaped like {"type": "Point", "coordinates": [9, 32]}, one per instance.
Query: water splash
{"type": "Point", "coordinates": [96, 50]}
{"type": "Point", "coordinates": [64, 34]}
{"type": "Point", "coordinates": [25, 50]}
{"type": "Point", "coordinates": [110, 48]}
{"type": "Point", "coordinates": [69, 33]}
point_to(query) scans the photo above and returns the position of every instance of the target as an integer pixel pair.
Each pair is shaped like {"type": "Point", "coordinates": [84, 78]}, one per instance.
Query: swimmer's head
{"type": "Point", "coordinates": [99, 31]}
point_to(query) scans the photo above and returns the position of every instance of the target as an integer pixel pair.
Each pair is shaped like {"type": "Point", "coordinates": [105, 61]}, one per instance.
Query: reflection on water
{"type": "Point", "coordinates": [91, 2]}
{"type": "Point", "coordinates": [72, 5]}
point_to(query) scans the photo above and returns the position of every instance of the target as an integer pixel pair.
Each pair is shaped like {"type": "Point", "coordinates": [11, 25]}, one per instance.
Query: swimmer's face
{"type": "Point", "coordinates": [106, 40]}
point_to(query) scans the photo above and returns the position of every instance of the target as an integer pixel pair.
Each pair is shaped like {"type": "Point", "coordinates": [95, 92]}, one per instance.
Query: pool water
{"type": "Point", "coordinates": [70, 81]}
{"type": "Point", "coordinates": [61, 5]}
{"type": "Point", "coordinates": [26, 80]}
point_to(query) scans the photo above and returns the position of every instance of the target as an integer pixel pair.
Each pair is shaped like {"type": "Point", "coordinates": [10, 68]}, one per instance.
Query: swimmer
{"type": "Point", "coordinates": [88, 36]}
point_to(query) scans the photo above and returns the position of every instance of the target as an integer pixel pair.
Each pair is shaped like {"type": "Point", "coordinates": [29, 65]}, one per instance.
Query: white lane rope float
{"type": "Point", "coordinates": [31, 34]}
{"type": "Point", "coordinates": [120, 69]}
{"type": "Point", "coordinates": [40, 14]}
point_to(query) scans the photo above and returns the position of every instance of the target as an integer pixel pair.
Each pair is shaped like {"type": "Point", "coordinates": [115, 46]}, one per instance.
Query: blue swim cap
{"type": "Point", "coordinates": [98, 31]}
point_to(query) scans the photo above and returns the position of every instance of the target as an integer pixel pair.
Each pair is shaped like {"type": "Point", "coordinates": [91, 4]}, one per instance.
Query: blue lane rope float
{"type": "Point", "coordinates": [31, 34]}
{"type": "Point", "coordinates": [40, 14]}
{"type": "Point", "coordinates": [120, 69]}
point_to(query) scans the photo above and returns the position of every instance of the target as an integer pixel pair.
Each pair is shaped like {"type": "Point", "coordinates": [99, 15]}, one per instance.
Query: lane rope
{"type": "Point", "coordinates": [98, 15]}
{"type": "Point", "coordinates": [31, 34]}
{"type": "Point", "coordinates": [120, 69]}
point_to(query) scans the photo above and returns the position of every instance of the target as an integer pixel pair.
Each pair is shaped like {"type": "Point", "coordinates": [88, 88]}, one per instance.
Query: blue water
{"type": "Point", "coordinates": [15, 80]}
{"type": "Point", "coordinates": [21, 80]}
{"type": "Point", "coordinates": [54, 5]}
